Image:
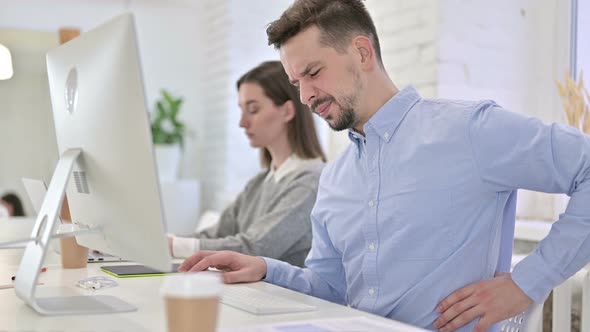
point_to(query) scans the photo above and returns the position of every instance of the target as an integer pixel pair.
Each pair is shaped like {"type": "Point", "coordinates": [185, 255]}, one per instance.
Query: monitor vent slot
{"type": "Point", "coordinates": [81, 182]}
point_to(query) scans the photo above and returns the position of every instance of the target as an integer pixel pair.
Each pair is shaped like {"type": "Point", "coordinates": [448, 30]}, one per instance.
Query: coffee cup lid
{"type": "Point", "coordinates": [196, 284]}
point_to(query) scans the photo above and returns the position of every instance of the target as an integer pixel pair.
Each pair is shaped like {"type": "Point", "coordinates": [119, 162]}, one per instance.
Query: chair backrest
{"type": "Point", "coordinates": [529, 321]}
{"type": "Point", "coordinates": [562, 294]}
{"type": "Point", "coordinates": [532, 319]}
{"type": "Point", "coordinates": [585, 275]}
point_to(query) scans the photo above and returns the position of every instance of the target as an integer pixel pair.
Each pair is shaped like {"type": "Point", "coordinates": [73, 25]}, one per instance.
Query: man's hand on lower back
{"type": "Point", "coordinates": [491, 300]}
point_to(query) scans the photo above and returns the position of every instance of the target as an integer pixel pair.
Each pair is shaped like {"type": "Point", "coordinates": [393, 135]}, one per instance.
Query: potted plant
{"type": "Point", "coordinates": [168, 135]}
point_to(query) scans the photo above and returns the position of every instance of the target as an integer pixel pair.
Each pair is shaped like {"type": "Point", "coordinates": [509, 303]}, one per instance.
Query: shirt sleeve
{"type": "Point", "coordinates": [512, 151]}
{"type": "Point", "coordinates": [273, 233]}
{"type": "Point", "coordinates": [324, 275]}
{"type": "Point", "coordinates": [184, 246]}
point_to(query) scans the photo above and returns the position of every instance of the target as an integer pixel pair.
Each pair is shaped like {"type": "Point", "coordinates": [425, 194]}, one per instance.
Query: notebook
{"type": "Point", "coordinates": [133, 271]}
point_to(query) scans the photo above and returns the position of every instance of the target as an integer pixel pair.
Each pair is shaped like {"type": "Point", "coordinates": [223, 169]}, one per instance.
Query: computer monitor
{"type": "Point", "coordinates": [104, 141]}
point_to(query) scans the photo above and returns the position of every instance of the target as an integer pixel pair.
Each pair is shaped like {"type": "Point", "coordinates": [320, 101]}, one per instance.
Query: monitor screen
{"type": "Point", "coordinates": [99, 107]}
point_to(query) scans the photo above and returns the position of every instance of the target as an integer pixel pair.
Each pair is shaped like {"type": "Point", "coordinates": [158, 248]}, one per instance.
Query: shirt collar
{"type": "Point", "coordinates": [389, 116]}
{"type": "Point", "coordinates": [292, 163]}
{"type": "Point", "coordinates": [4, 212]}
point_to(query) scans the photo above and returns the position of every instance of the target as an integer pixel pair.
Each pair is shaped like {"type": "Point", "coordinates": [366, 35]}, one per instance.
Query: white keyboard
{"type": "Point", "coordinates": [259, 302]}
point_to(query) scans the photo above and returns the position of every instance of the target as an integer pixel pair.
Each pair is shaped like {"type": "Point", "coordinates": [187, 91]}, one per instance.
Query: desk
{"type": "Point", "coordinates": [15, 316]}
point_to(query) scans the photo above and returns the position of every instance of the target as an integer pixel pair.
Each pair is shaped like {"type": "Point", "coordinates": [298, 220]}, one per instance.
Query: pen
{"type": "Point", "coordinates": [14, 277]}
{"type": "Point", "coordinates": [12, 285]}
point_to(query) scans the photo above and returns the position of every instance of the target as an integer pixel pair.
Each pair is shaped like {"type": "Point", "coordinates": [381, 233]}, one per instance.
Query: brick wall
{"type": "Point", "coordinates": [235, 42]}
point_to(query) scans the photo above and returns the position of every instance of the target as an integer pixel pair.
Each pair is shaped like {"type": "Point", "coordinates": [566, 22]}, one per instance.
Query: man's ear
{"type": "Point", "coordinates": [288, 109]}
{"type": "Point", "coordinates": [366, 52]}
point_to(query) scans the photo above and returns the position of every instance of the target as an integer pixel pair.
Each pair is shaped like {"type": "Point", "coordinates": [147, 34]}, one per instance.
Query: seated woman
{"type": "Point", "coordinates": [270, 216]}
{"type": "Point", "coordinates": [11, 206]}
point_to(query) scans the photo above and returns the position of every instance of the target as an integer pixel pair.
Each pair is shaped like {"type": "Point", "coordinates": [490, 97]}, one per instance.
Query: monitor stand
{"type": "Point", "coordinates": [31, 263]}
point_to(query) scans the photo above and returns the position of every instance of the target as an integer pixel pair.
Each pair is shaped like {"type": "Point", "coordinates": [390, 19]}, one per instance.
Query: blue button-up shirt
{"type": "Point", "coordinates": [423, 205]}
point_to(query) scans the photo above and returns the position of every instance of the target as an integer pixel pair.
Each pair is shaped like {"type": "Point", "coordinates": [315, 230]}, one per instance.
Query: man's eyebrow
{"type": "Point", "coordinates": [305, 71]}
{"type": "Point", "coordinates": [248, 102]}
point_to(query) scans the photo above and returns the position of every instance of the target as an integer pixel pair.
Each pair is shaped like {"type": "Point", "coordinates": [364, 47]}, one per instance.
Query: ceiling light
{"type": "Point", "coordinates": [5, 63]}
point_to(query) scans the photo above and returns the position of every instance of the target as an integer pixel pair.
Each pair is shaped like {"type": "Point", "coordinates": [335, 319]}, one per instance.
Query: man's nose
{"type": "Point", "coordinates": [306, 93]}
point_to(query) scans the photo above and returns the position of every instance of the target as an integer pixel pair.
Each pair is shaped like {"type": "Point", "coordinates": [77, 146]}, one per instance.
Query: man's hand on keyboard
{"type": "Point", "coordinates": [238, 267]}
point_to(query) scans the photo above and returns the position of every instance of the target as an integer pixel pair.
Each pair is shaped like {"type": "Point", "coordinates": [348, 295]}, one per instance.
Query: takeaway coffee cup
{"type": "Point", "coordinates": [73, 255]}
{"type": "Point", "coordinates": [192, 301]}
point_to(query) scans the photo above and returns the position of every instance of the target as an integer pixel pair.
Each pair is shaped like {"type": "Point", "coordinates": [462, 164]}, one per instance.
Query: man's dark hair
{"type": "Point", "coordinates": [338, 20]}
{"type": "Point", "coordinates": [17, 205]}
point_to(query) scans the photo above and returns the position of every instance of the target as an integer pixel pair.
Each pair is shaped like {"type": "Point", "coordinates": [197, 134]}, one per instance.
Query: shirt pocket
{"type": "Point", "coordinates": [421, 225]}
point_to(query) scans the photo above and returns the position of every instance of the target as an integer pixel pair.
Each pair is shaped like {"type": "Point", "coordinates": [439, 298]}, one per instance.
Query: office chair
{"type": "Point", "coordinates": [529, 321]}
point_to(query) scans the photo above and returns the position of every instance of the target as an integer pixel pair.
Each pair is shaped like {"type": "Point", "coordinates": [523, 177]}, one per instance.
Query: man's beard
{"type": "Point", "coordinates": [347, 119]}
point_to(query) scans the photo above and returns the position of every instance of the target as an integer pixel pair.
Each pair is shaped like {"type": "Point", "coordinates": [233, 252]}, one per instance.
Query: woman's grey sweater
{"type": "Point", "coordinates": [269, 218]}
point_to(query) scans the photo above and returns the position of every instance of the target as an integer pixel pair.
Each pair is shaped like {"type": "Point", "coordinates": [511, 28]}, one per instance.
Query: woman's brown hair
{"type": "Point", "coordinates": [301, 133]}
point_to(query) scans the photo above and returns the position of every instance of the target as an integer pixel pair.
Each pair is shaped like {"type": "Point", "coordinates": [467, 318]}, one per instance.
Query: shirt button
{"type": "Point", "coordinates": [371, 291]}
{"type": "Point", "coordinates": [372, 246]}
{"type": "Point", "coordinates": [371, 203]}
{"type": "Point", "coordinates": [386, 135]}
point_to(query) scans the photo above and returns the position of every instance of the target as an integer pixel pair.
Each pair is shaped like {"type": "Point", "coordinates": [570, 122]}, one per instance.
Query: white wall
{"type": "Point", "coordinates": [25, 111]}
{"type": "Point", "coordinates": [169, 42]}
{"type": "Point", "coordinates": [235, 42]}
{"type": "Point", "coordinates": [583, 35]}
{"type": "Point", "coordinates": [168, 33]}
{"type": "Point", "coordinates": [197, 49]}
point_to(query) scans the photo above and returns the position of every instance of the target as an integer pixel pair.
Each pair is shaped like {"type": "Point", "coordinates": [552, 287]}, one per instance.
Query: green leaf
{"type": "Point", "coordinates": [166, 112]}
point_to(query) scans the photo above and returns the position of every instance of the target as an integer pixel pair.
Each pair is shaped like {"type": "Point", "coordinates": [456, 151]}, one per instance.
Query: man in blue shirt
{"type": "Point", "coordinates": [414, 221]}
